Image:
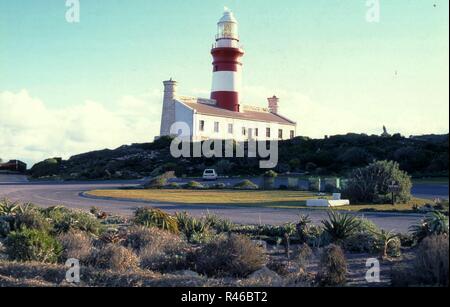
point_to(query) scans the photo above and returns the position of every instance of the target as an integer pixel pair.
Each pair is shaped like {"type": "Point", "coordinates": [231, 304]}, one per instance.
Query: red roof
{"type": "Point", "coordinates": [247, 115]}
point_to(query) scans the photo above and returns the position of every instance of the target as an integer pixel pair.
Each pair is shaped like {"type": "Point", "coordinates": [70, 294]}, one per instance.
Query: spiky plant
{"type": "Point", "coordinates": [435, 223]}
{"type": "Point", "coordinates": [302, 227]}
{"type": "Point", "coordinates": [340, 226]}
{"type": "Point", "coordinates": [385, 238]}
{"type": "Point", "coordinates": [191, 226]}
{"type": "Point", "coordinates": [152, 217]}
{"type": "Point", "coordinates": [8, 208]}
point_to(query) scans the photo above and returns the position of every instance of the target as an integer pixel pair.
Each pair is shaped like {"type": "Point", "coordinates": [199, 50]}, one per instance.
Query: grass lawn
{"type": "Point", "coordinates": [431, 180]}
{"type": "Point", "coordinates": [271, 199]}
{"type": "Point", "coordinates": [275, 199]}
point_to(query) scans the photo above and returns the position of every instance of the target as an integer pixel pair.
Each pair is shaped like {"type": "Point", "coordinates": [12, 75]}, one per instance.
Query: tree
{"type": "Point", "coordinates": [371, 184]}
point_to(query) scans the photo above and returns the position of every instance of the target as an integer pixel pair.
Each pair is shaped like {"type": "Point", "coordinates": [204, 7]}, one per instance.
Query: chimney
{"type": "Point", "coordinates": [273, 104]}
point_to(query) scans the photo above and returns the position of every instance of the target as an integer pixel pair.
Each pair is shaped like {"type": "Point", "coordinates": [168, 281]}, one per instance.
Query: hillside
{"type": "Point", "coordinates": [334, 155]}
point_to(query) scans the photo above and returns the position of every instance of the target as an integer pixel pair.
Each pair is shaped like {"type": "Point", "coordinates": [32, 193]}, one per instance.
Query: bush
{"type": "Point", "coordinates": [173, 186]}
{"type": "Point", "coordinates": [65, 220]}
{"type": "Point", "coordinates": [156, 183]}
{"type": "Point", "coordinates": [332, 267]}
{"type": "Point", "coordinates": [31, 219]}
{"type": "Point", "coordinates": [32, 245]}
{"type": "Point", "coordinates": [361, 242]}
{"type": "Point", "coordinates": [303, 256]}
{"type": "Point", "coordinates": [139, 237]}
{"type": "Point", "coordinates": [114, 257]}
{"type": "Point", "coordinates": [191, 227]}
{"type": "Point", "coordinates": [246, 185]}
{"type": "Point", "coordinates": [75, 244]}
{"type": "Point", "coordinates": [432, 261]}
{"type": "Point", "coordinates": [5, 226]}
{"type": "Point", "coordinates": [371, 184]}
{"type": "Point", "coordinates": [151, 217]}
{"type": "Point", "coordinates": [435, 223]}
{"type": "Point", "coordinates": [158, 249]}
{"type": "Point", "coordinates": [235, 256]}
{"type": "Point", "coordinates": [340, 226]}
{"type": "Point", "coordinates": [194, 185]}
{"type": "Point", "coordinates": [429, 268]}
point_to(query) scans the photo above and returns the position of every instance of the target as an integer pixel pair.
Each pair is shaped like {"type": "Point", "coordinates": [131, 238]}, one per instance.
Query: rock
{"type": "Point", "coordinates": [266, 276]}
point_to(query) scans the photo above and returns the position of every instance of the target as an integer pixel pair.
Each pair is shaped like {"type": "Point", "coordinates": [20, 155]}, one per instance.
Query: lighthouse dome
{"type": "Point", "coordinates": [228, 16]}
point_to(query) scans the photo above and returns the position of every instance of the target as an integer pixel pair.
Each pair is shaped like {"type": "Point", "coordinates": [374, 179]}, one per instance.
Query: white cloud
{"type": "Point", "coordinates": [32, 131]}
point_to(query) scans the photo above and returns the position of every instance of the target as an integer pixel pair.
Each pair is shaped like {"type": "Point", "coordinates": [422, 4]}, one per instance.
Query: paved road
{"type": "Point", "coordinates": [69, 194]}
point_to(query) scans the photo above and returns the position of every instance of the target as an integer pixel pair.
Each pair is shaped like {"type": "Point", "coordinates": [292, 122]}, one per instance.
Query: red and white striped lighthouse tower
{"type": "Point", "coordinates": [227, 67]}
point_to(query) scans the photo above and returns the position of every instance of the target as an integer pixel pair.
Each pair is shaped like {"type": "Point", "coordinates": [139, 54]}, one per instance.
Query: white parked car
{"type": "Point", "coordinates": [210, 174]}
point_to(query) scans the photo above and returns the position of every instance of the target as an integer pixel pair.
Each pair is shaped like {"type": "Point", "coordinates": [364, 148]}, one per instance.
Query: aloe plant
{"type": "Point", "coordinates": [9, 208]}
{"type": "Point", "coordinates": [435, 223]}
{"type": "Point", "coordinates": [340, 226]}
{"type": "Point", "coordinates": [385, 238]}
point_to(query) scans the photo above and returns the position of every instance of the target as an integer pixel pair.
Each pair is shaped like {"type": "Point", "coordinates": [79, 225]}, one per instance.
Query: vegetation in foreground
{"type": "Point", "coordinates": [158, 249]}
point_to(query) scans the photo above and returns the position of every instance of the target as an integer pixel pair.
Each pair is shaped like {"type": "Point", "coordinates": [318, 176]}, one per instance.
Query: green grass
{"type": "Point", "coordinates": [270, 199]}
{"type": "Point", "coordinates": [431, 180]}
{"type": "Point", "coordinates": [275, 199]}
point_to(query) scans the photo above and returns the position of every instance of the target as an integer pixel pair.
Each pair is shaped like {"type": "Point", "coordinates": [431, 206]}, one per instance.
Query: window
{"type": "Point", "coordinates": [216, 127]}
{"type": "Point", "coordinates": [268, 132]}
{"type": "Point", "coordinates": [292, 134]}
{"type": "Point", "coordinates": [230, 128]}
{"type": "Point", "coordinates": [202, 125]}
{"type": "Point", "coordinates": [256, 132]}
{"type": "Point", "coordinates": [244, 131]}
{"type": "Point", "coordinates": [280, 134]}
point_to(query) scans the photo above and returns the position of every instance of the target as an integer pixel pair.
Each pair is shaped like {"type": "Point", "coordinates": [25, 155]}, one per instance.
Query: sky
{"type": "Point", "coordinates": [68, 88]}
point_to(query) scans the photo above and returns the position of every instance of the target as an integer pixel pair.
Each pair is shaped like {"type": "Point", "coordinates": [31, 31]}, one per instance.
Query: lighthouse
{"type": "Point", "coordinates": [223, 116]}
{"type": "Point", "coordinates": [227, 66]}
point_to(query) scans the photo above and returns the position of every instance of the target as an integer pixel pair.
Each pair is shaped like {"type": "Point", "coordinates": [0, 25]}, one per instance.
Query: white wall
{"type": "Point", "coordinates": [238, 124]}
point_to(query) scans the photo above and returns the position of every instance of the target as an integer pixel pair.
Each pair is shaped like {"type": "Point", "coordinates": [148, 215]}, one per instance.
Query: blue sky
{"type": "Point", "coordinates": [334, 71]}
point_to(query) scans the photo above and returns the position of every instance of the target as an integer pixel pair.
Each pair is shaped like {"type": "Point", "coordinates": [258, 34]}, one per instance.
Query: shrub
{"type": "Point", "coordinates": [219, 224]}
{"type": "Point", "coordinates": [75, 244]}
{"type": "Point", "coordinates": [194, 185]}
{"type": "Point", "coordinates": [190, 226]}
{"type": "Point", "coordinates": [432, 261]}
{"type": "Point", "coordinates": [156, 183]}
{"type": "Point", "coordinates": [160, 181]}
{"type": "Point", "coordinates": [303, 256]}
{"type": "Point", "coordinates": [8, 208]}
{"type": "Point", "coordinates": [361, 242]}
{"type": "Point", "coordinates": [114, 257]}
{"type": "Point", "coordinates": [32, 245]}
{"type": "Point", "coordinates": [158, 249]}
{"type": "Point", "coordinates": [31, 219]}
{"type": "Point", "coordinates": [386, 239]}
{"type": "Point", "coordinates": [332, 267]}
{"type": "Point", "coordinates": [246, 185]}
{"type": "Point", "coordinates": [139, 237]}
{"type": "Point", "coordinates": [173, 186]}
{"type": "Point", "coordinates": [5, 226]}
{"type": "Point", "coordinates": [152, 217]}
{"type": "Point", "coordinates": [340, 226]}
{"type": "Point", "coordinates": [435, 223]}
{"type": "Point", "coordinates": [235, 256]}
{"type": "Point", "coordinates": [270, 174]}
{"type": "Point", "coordinates": [371, 184]}
{"type": "Point", "coordinates": [65, 220]}
{"type": "Point", "coordinates": [429, 268]}
{"type": "Point", "coordinates": [220, 186]}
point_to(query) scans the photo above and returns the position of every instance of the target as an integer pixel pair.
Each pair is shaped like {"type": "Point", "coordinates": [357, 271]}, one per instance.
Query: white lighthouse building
{"type": "Point", "coordinates": [222, 116]}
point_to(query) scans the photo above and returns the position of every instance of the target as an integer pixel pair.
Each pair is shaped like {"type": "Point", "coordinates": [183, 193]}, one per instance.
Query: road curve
{"type": "Point", "coordinates": [70, 194]}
